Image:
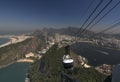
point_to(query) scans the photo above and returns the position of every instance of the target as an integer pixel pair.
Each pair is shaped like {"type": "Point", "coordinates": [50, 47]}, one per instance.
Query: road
{"type": "Point", "coordinates": [97, 55]}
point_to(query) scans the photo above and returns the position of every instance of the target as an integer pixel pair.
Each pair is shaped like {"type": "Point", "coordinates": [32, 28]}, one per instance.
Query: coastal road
{"type": "Point", "coordinates": [97, 55]}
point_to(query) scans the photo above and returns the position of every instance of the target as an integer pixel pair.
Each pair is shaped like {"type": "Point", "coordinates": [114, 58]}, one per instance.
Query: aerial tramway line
{"type": "Point", "coordinates": [67, 60]}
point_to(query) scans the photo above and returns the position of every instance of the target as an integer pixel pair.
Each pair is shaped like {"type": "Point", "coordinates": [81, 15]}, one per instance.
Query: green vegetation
{"type": "Point", "coordinates": [11, 53]}
{"type": "Point", "coordinates": [88, 75]}
{"type": "Point", "coordinates": [49, 68]}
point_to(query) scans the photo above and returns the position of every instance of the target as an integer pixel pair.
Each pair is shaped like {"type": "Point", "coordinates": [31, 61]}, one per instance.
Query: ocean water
{"type": "Point", "coordinates": [97, 55]}
{"type": "Point", "coordinates": [3, 40]}
{"type": "Point", "coordinates": [14, 73]}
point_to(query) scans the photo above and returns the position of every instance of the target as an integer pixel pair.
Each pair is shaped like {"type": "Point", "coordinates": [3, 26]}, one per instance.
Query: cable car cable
{"type": "Point", "coordinates": [96, 17]}
{"type": "Point", "coordinates": [105, 15]}
{"type": "Point", "coordinates": [89, 16]}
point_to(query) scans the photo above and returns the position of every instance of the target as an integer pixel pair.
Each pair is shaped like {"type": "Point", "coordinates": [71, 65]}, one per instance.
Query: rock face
{"type": "Point", "coordinates": [16, 51]}
{"type": "Point", "coordinates": [105, 69]}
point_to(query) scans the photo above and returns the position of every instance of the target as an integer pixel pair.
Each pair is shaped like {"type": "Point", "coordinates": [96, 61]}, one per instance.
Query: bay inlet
{"type": "Point", "coordinates": [4, 40]}
{"type": "Point", "coordinates": [97, 55]}
{"type": "Point", "coordinates": [14, 73]}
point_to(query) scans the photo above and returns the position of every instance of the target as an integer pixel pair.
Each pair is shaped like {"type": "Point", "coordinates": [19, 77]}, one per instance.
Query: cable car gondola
{"type": "Point", "coordinates": [67, 60]}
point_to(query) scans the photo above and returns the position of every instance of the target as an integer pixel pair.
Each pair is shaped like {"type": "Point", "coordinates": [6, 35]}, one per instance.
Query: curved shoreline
{"type": "Point", "coordinates": [15, 39]}
{"type": "Point", "coordinates": [4, 40]}
{"type": "Point", "coordinates": [18, 61]}
{"type": "Point", "coordinates": [25, 60]}
{"type": "Point", "coordinates": [3, 66]}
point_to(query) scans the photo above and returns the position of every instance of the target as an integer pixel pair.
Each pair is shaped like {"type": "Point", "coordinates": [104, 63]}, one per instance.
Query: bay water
{"type": "Point", "coordinates": [97, 55]}
{"type": "Point", "coordinates": [3, 40]}
{"type": "Point", "coordinates": [14, 73]}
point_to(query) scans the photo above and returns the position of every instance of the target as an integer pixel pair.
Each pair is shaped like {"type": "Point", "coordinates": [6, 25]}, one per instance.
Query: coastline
{"type": "Point", "coordinates": [18, 61]}
{"type": "Point", "coordinates": [15, 39]}
{"type": "Point", "coordinates": [25, 60]}
{"type": "Point", "coordinates": [14, 73]}
{"type": "Point", "coordinates": [83, 61]}
{"type": "Point", "coordinates": [3, 66]}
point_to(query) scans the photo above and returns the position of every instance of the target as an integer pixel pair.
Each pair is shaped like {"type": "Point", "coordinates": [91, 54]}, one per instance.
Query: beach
{"type": "Point", "coordinates": [14, 39]}
{"type": "Point", "coordinates": [25, 60]}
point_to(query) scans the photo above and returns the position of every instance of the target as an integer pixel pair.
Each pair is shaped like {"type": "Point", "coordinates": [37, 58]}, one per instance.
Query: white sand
{"type": "Point", "coordinates": [15, 39]}
{"type": "Point", "coordinates": [25, 60]}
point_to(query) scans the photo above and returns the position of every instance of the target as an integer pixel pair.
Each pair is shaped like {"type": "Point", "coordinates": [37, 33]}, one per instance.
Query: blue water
{"type": "Point", "coordinates": [14, 73]}
{"type": "Point", "coordinates": [94, 54]}
{"type": "Point", "coordinates": [3, 40]}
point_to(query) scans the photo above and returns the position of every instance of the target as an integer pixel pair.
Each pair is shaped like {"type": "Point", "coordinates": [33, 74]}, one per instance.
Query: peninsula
{"type": "Point", "coordinates": [16, 49]}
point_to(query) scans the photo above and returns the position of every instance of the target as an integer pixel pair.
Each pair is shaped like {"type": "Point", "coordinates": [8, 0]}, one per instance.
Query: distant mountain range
{"type": "Point", "coordinates": [73, 31]}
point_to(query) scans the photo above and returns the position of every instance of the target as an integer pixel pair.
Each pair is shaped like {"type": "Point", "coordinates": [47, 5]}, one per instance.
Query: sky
{"type": "Point", "coordinates": [19, 15]}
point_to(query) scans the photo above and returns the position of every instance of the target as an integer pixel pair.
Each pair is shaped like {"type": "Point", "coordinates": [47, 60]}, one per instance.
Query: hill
{"type": "Point", "coordinates": [13, 52]}
{"type": "Point", "coordinates": [49, 68]}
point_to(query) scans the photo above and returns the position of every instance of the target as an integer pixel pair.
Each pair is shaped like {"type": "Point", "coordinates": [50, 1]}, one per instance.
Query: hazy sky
{"type": "Point", "coordinates": [35, 14]}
